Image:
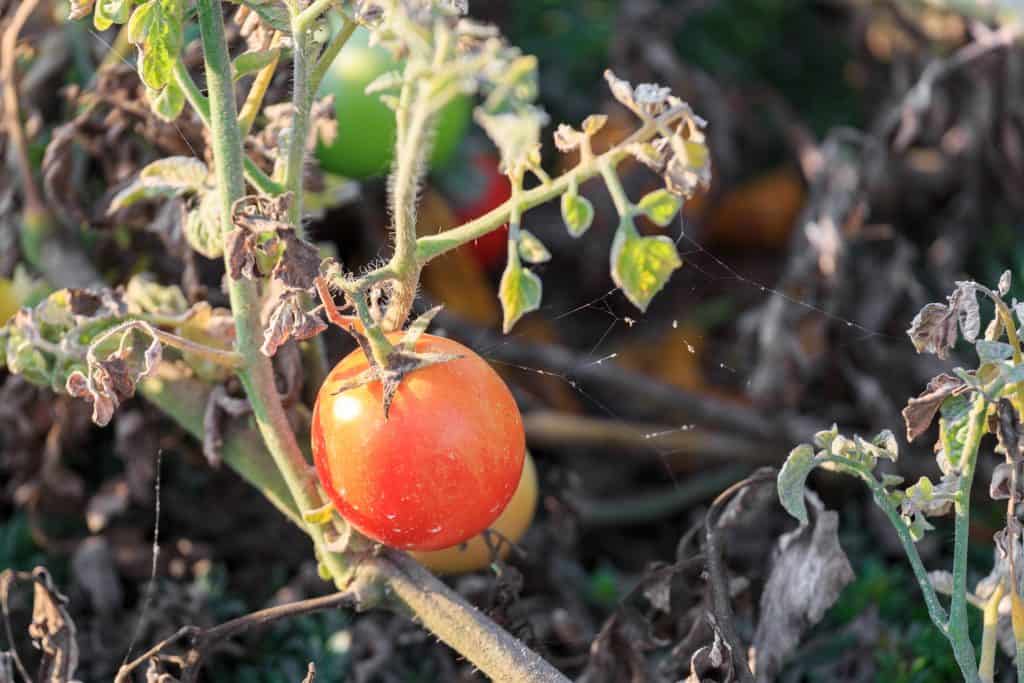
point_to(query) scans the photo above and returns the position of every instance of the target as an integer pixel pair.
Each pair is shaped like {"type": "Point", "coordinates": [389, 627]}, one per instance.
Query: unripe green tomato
{"type": "Point", "coordinates": [365, 142]}
{"type": "Point", "coordinates": [475, 554]}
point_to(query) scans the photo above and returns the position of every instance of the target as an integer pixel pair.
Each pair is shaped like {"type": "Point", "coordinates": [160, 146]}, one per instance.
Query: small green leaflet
{"type": "Point", "coordinates": [660, 206]}
{"type": "Point", "coordinates": [531, 249]}
{"type": "Point", "coordinates": [167, 103]}
{"type": "Point", "coordinates": [109, 12]}
{"type": "Point", "coordinates": [520, 292]}
{"type": "Point", "coordinates": [641, 265]}
{"type": "Point", "coordinates": [577, 212]}
{"type": "Point", "coordinates": [156, 29]}
{"type": "Point", "coordinates": [792, 481]}
{"type": "Point", "coordinates": [252, 61]}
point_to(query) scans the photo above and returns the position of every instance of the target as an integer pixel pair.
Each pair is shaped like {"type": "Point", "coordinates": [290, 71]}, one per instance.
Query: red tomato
{"type": "Point", "coordinates": [476, 188]}
{"type": "Point", "coordinates": [441, 468]}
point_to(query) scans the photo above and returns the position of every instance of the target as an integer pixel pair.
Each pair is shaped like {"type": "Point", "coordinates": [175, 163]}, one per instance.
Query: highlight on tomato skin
{"type": "Point", "coordinates": [510, 526]}
{"type": "Point", "coordinates": [440, 469]}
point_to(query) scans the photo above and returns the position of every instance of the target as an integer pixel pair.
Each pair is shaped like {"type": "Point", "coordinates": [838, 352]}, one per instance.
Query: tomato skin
{"type": "Point", "coordinates": [365, 142]}
{"type": "Point", "coordinates": [475, 554]}
{"type": "Point", "coordinates": [441, 468]}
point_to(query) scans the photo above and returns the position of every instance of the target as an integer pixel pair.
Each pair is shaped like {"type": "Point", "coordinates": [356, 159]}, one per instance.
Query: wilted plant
{"type": "Point", "coordinates": [969, 404]}
{"type": "Point", "coordinates": [104, 344]}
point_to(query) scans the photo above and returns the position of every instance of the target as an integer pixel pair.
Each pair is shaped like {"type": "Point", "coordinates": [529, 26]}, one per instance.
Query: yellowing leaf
{"type": "Point", "coordinates": [578, 213]}
{"type": "Point", "coordinates": [531, 249]}
{"type": "Point", "coordinates": [520, 292]}
{"type": "Point", "coordinates": [641, 265]}
{"type": "Point", "coordinates": [660, 206]}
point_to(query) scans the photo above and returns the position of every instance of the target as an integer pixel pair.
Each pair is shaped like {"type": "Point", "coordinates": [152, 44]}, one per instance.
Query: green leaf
{"type": "Point", "coordinates": [109, 12]}
{"type": "Point", "coordinates": [792, 481]}
{"type": "Point", "coordinates": [531, 249]}
{"type": "Point", "coordinates": [641, 265]}
{"type": "Point", "coordinates": [578, 213]}
{"type": "Point", "coordinates": [273, 12]}
{"type": "Point", "coordinates": [156, 29]}
{"type": "Point", "coordinates": [520, 292]}
{"type": "Point", "coordinates": [993, 351]}
{"type": "Point", "coordinates": [136, 192]}
{"type": "Point", "coordinates": [202, 227]}
{"type": "Point", "coordinates": [660, 206]}
{"type": "Point", "coordinates": [186, 174]}
{"type": "Point", "coordinates": [167, 103]}
{"type": "Point", "coordinates": [252, 61]}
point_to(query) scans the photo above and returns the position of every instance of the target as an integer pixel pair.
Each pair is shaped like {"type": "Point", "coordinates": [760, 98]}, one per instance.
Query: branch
{"type": "Point", "coordinates": [462, 626]}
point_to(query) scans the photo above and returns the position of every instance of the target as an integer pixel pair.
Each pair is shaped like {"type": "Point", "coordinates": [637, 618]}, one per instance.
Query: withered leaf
{"type": "Point", "coordinates": [921, 410]}
{"type": "Point", "coordinates": [52, 631]}
{"type": "Point", "coordinates": [809, 571]}
{"type": "Point", "coordinates": [299, 265]}
{"type": "Point", "coordinates": [288, 320]}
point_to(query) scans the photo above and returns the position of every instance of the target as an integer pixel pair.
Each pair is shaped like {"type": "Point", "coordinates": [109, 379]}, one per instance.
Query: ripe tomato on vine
{"type": "Point", "coordinates": [439, 468]}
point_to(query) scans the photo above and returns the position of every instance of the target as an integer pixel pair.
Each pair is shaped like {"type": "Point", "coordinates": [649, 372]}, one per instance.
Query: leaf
{"type": "Point", "coordinates": [641, 265]}
{"type": "Point", "coordinates": [660, 206]}
{"type": "Point", "coordinates": [531, 249]}
{"type": "Point", "coordinates": [520, 293]}
{"type": "Point", "coordinates": [516, 133]}
{"type": "Point", "coordinates": [202, 227]}
{"type": "Point", "coordinates": [1005, 280]}
{"type": "Point", "coordinates": [273, 12]}
{"type": "Point", "coordinates": [252, 61]}
{"type": "Point", "coordinates": [180, 173]}
{"type": "Point", "coordinates": [792, 481]}
{"type": "Point", "coordinates": [137, 192]}
{"type": "Point", "coordinates": [578, 213]}
{"type": "Point", "coordinates": [110, 12]}
{"type": "Point", "coordinates": [156, 29]}
{"type": "Point", "coordinates": [993, 351]}
{"type": "Point", "coordinates": [920, 411]}
{"type": "Point", "coordinates": [809, 570]}
{"type": "Point", "coordinates": [167, 103]}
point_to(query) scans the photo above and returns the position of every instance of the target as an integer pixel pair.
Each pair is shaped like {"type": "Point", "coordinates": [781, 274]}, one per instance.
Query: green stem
{"type": "Point", "coordinates": [302, 99]}
{"type": "Point", "coordinates": [432, 246]}
{"type": "Point", "coordinates": [258, 374]}
{"type": "Point", "coordinates": [931, 599]}
{"type": "Point", "coordinates": [253, 173]}
{"type": "Point", "coordinates": [959, 633]}
{"type": "Point", "coordinates": [414, 122]}
{"type": "Point", "coordinates": [305, 18]}
{"type": "Point", "coordinates": [330, 52]}
{"type": "Point", "coordinates": [623, 205]}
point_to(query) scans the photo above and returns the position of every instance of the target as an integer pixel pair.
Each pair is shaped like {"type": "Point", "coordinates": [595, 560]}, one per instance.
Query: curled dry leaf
{"type": "Point", "coordinates": [921, 410]}
{"type": "Point", "coordinates": [809, 571]}
{"type": "Point", "coordinates": [289, 320]}
{"type": "Point", "coordinates": [933, 329]}
{"type": "Point", "coordinates": [52, 631]}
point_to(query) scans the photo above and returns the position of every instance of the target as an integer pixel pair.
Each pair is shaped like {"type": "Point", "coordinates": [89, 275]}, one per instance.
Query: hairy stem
{"type": "Point", "coordinates": [959, 634]}
{"type": "Point", "coordinates": [253, 173]}
{"type": "Point", "coordinates": [931, 599]}
{"type": "Point", "coordinates": [330, 52]}
{"type": "Point", "coordinates": [258, 373]}
{"type": "Point", "coordinates": [414, 121]}
{"type": "Point", "coordinates": [302, 100]}
{"type": "Point", "coordinates": [447, 614]}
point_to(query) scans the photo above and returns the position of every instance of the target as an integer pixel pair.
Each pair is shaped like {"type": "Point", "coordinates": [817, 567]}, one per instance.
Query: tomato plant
{"type": "Point", "coordinates": [439, 469]}
{"type": "Point", "coordinates": [511, 525]}
{"type": "Point", "coordinates": [364, 146]}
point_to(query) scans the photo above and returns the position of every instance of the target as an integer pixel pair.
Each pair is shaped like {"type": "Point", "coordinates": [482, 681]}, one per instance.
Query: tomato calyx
{"type": "Point", "coordinates": [401, 360]}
